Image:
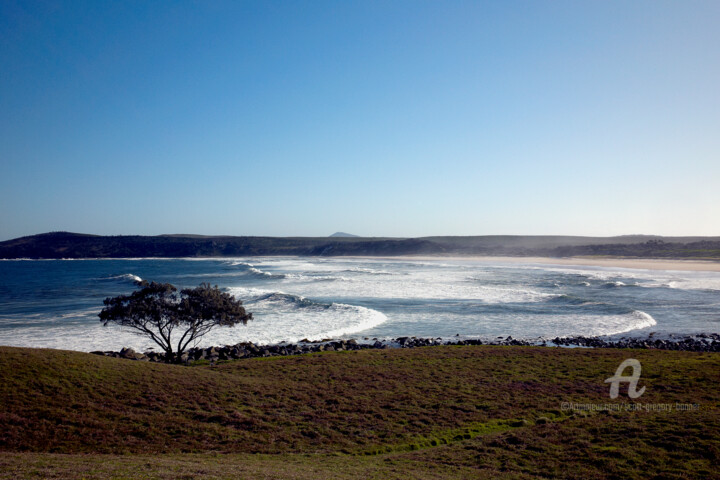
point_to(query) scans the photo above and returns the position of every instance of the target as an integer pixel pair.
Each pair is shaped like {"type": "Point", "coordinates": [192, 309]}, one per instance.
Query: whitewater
{"type": "Point", "coordinates": [55, 303]}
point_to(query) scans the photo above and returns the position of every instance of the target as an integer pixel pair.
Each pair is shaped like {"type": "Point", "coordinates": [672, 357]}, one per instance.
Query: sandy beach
{"type": "Point", "coordinates": [609, 262]}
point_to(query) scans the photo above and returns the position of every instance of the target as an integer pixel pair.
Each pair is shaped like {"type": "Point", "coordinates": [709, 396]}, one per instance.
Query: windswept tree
{"type": "Point", "coordinates": [174, 320]}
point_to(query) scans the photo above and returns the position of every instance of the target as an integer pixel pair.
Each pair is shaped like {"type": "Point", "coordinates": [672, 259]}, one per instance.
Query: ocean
{"type": "Point", "coordinates": [55, 303]}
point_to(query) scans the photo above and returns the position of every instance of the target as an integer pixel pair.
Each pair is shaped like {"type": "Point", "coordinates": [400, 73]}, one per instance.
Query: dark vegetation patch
{"type": "Point", "coordinates": [74, 245]}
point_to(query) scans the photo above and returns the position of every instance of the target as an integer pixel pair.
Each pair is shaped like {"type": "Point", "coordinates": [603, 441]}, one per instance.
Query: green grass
{"type": "Point", "coordinates": [439, 412]}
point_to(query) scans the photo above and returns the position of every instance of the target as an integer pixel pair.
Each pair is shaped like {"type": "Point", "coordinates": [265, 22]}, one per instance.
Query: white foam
{"type": "Point", "coordinates": [237, 263]}
{"type": "Point", "coordinates": [262, 273]}
{"type": "Point", "coordinates": [595, 325]}
{"type": "Point", "coordinates": [696, 283]}
{"type": "Point", "coordinates": [685, 280]}
{"type": "Point", "coordinates": [275, 322]}
{"type": "Point", "coordinates": [269, 326]}
{"type": "Point", "coordinates": [332, 298]}
{"type": "Point", "coordinates": [126, 276]}
{"type": "Point", "coordinates": [416, 285]}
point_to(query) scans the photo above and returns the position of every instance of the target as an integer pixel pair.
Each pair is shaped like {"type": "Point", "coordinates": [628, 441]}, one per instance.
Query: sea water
{"type": "Point", "coordinates": [55, 303]}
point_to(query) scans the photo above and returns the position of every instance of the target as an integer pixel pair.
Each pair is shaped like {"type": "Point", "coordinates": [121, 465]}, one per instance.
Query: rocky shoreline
{"type": "Point", "coordinates": [695, 343]}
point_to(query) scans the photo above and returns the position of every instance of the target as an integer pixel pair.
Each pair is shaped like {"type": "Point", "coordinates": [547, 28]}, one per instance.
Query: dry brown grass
{"type": "Point", "coordinates": [438, 412]}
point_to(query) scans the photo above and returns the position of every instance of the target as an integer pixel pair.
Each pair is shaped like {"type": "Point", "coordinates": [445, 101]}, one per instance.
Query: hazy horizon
{"type": "Point", "coordinates": [367, 236]}
{"type": "Point", "coordinates": [401, 119]}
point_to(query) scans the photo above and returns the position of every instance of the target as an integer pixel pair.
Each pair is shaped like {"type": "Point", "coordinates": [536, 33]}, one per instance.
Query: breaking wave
{"type": "Point", "coordinates": [572, 300]}
{"type": "Point", "coordinates": [637, 320]}
{"type": "Point", "coordinates": [263, 274]}
{"type": "Point", "coordinates": [126, 277]}
{"type": "Point", "coordinates": [288, 299]}
{"type": "Point", "coordinates": [618, 284]}
{"type": "Point", "coordinates": [280, 316]}
{"type": "Point", "coordinates": [55, 304]}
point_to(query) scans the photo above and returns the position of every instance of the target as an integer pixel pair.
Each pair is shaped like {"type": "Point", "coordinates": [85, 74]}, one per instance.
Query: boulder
{"type": "Point", "coordinates": [128, 353]}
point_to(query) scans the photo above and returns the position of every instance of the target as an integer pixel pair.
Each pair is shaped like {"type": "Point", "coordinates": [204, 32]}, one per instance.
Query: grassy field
{"type": "Point", "coordinates": [436, 412]}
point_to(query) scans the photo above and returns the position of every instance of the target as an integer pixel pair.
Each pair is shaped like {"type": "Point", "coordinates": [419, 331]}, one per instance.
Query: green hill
{"type": "Point", "coordinates": [75, 245]}
{"type": "Point", "coordinates": [451, 412]}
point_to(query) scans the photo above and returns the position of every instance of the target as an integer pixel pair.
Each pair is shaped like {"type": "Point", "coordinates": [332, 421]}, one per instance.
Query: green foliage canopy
{"type": "Point", "coordinates": [159, 312]}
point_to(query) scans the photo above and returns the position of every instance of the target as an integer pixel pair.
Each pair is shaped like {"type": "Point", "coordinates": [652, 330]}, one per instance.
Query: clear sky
{"type": "Point", "coordinates": [379, 118]}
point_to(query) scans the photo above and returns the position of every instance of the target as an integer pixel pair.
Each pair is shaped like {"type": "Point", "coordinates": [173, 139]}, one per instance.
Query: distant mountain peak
{"type": "Point", "coordinates": [343, 234]}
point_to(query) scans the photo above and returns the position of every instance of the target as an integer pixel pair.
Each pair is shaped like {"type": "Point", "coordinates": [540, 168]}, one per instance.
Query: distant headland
{"type": "Point", "coordinates": [57, 245]}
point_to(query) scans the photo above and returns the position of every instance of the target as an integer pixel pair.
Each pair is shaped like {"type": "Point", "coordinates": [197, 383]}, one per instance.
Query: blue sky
{"type": "Point", "coordinates": [376, 118]}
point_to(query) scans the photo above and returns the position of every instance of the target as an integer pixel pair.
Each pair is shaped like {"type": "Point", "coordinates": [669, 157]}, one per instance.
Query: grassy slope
{"type": "Point", "coordinates": [452, 412]}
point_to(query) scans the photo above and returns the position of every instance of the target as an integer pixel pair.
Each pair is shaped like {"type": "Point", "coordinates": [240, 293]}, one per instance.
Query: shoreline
{"type": "Point", "coordinates": [605, 262]}
{"type": "Point", "coordinates": [694, 343]}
